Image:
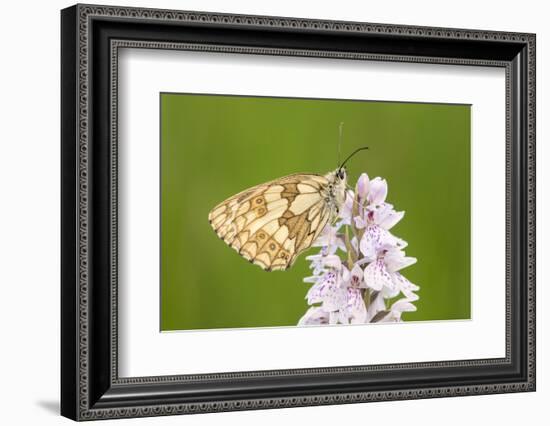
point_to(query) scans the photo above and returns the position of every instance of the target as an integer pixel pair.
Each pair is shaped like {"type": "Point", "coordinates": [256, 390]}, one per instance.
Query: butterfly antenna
{"type": "Point", "coordinates": [352, 154]}
{"type": "Point", "coordinates": [340, 133]}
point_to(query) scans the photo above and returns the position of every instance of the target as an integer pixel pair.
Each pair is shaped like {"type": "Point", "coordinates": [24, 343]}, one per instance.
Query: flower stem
{"type": "Point", "coordinates": [367, 297]}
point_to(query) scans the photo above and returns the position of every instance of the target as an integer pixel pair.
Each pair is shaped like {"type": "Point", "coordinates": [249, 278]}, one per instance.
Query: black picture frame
{"type": "Point", "coordinates": [90, 386]}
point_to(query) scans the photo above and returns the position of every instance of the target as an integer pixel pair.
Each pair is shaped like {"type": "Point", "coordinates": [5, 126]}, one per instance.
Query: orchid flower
{"type": "Point", "coordinates": [355, 281]}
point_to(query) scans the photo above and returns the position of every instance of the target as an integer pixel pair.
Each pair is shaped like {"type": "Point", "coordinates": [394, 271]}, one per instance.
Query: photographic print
{"type": "Point", "coordinates": [297, 212]}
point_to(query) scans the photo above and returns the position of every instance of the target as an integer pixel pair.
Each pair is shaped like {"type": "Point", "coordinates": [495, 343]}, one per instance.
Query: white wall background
{"type": "Point", "coordinates": [29, 210]}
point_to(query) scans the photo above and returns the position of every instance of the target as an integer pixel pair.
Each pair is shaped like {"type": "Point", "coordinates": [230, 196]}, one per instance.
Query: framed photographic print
{"type": "Point", "coordinates": [263, 212]}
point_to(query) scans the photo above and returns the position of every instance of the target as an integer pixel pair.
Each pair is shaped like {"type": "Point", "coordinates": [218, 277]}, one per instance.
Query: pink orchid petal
{"type": "Point", "coordinates": [396, 260]}
{"type": "Point", "coordinates": [359, 222]}
{"type": "Point", "coordinates": [356, 277]}
{"type": "Point", "coordinates": [378, 191]}
{"type": "Point", "coordinates": [314, 316]}
{"type": "Point", "coordinates": [376, 275]}
{"type": "Point", "coordinates": [355, 308]}
{"type": "Point", "coordinates": [387, 217]}
{"type": "Point", "coordinates": [403, 305]}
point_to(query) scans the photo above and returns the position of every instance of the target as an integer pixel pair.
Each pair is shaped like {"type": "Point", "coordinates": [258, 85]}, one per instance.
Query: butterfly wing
{"type": "Point", "coordinates": [271, 224]}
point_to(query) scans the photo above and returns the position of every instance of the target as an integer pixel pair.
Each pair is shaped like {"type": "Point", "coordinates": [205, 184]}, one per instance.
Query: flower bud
{"type": "Point", "coordinates": [378, 191]}
{"type": "Point", "coordinates": [363, 186]}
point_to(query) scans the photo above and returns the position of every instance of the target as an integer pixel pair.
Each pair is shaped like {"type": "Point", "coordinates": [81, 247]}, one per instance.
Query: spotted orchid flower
{"type": "Point", "coordinates": [356, 276]}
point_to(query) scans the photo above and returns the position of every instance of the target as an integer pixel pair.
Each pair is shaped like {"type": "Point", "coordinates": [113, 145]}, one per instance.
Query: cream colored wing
{"type": "Point", "coordinates": [271, 224]}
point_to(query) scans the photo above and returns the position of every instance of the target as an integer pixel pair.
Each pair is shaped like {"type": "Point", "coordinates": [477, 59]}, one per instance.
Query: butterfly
{"type": "Point", "coordinates": [272, 223]}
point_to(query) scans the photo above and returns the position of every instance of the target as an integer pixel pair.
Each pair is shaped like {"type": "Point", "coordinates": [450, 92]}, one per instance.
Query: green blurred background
{"type": "Point", "coordinates": [213, 147]}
